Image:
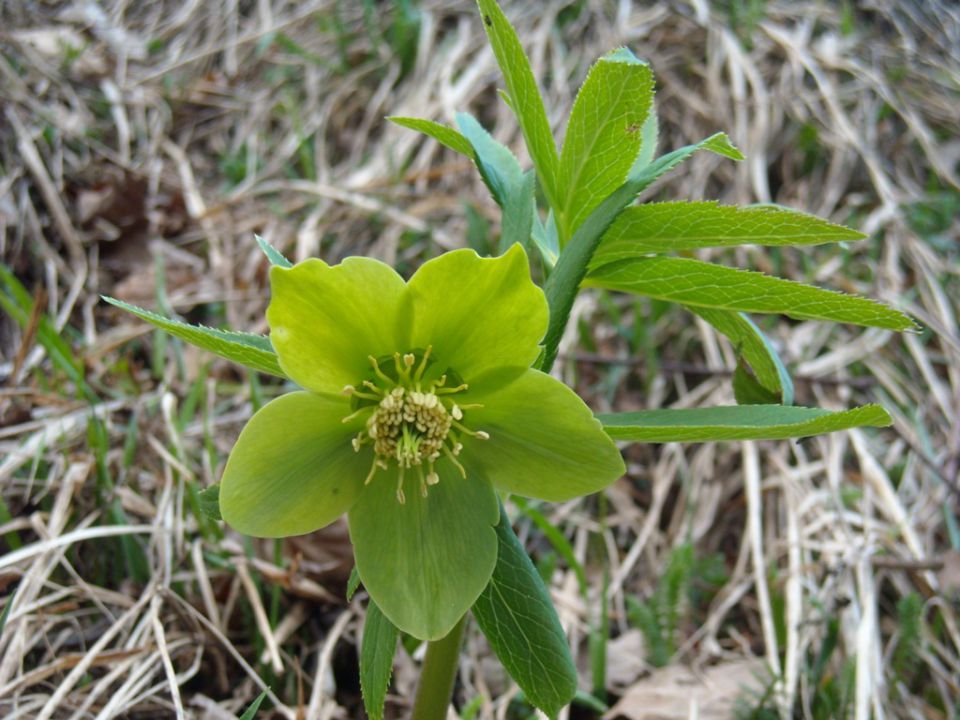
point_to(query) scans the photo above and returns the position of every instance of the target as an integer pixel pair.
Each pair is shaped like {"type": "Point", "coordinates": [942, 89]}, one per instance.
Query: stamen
{"type": "Point", "coordinates": [453, 459]}
{"type": "Point", "coordinates": [456, 412]}
{"type": "Point", "coordinates": [377, 371]}
{"type": "Point", "coordinates": [418, 375]}
{"type": "Point", "coordinates": [475, 433]}
{"type": "Point", "coordinates": [373, 471]}
{"type": "Point", "coordinates": [353, 416]}
{"type": "Point", "coordinates": [450, 391]}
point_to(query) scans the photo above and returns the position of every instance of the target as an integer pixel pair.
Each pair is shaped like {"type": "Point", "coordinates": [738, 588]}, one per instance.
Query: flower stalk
{"type": "Point", "coordinates": [438, 675]}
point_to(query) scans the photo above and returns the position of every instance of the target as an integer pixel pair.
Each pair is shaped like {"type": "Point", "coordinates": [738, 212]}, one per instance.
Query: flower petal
{"type": "Point", "coordinates": [293, 469]}
{"type": "Point", "coordinates": [326, 320]}
{"type": "Point", "coordinates": [426, 561]}
{"type": "Point", "coordinates": [478, 313]}
{"type": "Point", "coordinates": [544, 441]}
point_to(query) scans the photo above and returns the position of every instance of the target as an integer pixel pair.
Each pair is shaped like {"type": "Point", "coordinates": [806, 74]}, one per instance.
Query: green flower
{"type": "Point", "coordinates": [420, 402]}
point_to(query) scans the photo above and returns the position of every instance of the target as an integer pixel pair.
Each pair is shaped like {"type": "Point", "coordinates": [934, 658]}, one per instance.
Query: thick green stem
{"type": "Point", "coordinates": [439, 672]}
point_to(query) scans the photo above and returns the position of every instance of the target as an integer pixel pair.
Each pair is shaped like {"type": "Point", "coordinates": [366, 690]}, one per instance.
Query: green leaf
{"type": "Point", "coordinates": [517, 616]}
{"type": "Point", "coordinates": [546, 242]}
{"type": "Point", "coordinates": [755, 349]}
{"type": "Point", "coordinates": [675, 226]}
{"type": "Point", "coordinates": [564, 282]}
{"type": "Point", "coordinates": [696, 283]}
{"type": "Point", "coordinates": [738, 422]}
{"type": "Point", "coordinates": [443, 134]}
{"type": "Point", "coordinates": [649, 135]}
{"type": "Point", "coordinates": [353, 583]}
{"type": "Point", "coordinates": [499, 168]}
{"type": "Point", "coordinates": [376, 660]}
{"type": "Point", "coordinates": [718, 143]}
{"type": "Point", "coordinates": [251, 712]}
{"type": "Point", "coordinates": [604, 135]}
{"type": "Point", "coordinates": [252, 351]}
{"type": "Point", "coordinates": [524, 95]}
{"type": "Point", "coordinates": [512, 189]}
{"type": "Point", "coordinates": [210, 502]}
{"type": "Point", "coordinates": [273, 255]}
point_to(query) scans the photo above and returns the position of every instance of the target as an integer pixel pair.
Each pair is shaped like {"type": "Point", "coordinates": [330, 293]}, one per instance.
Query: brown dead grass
{"type": "Point", "coordinates": [124, 131]}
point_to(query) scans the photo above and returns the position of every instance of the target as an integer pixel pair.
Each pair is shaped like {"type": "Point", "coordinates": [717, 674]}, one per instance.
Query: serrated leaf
{"type": "Point", "coordinates": [737, 422]}
{"type": "Point", "coordinates": [718, 143]}
{"type": "Point", "coordinates": [604, 135]}
{"type": "Point", "coordinates": [377, 649]}
{"type": "Point", "coordinates": [512, 189]}
{"type": "Point", "coordinates": [696, 283]}
{"type": "Point", "coordinates": [251, 712]}
{"type": "Point", "coordinates": [524, 95]}
{"type": "Point", "coordinates": [675, 226]}
{"type": "Point", "coordinates": [252, 351]}
{"type": "Point", "coordinates": [443, 134]}
{"type": "Point", "coordinates": [754, 348]}
{"type": "Point", "coordinates": [273, 255]}
{"type": "Point", "coordinates": [518, 618]}
{"type": "Point", "coordinates": [210, 502]}
{"type": "Point", "coordinates": [545, 242]}
{"type": "Point", "coordinates": [649, 136]}
{"type": "Point", "coordinates": [747, 390]}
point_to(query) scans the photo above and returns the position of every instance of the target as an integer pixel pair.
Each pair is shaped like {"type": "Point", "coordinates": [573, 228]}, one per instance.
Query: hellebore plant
{"type": "Point", "coordinates": [422, 400]}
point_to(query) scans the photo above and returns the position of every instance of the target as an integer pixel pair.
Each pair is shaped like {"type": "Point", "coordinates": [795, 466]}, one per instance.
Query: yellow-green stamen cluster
{"type": "Point", "coordinates": [412, 424]}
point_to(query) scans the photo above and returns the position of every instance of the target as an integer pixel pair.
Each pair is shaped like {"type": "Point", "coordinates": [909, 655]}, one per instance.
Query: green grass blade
{"type": "Point", "coordinates": [738, 422]}
{"type": "Point", "coordinates": [251, 712]}
{"type": "Point", "coordinates": [701, 284]}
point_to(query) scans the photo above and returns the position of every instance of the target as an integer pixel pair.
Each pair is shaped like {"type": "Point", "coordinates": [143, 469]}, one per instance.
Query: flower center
{"type": "Point", "coordinates": [413, 421]}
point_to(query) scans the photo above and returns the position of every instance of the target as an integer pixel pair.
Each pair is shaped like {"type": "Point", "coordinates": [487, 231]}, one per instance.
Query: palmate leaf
{"type": "Point", "coordinates": [252, 351]}
{"type": "Point", "coordinates": [604, 135]}
{"type": "Point", "coordinates": [376, 659]}
{"type": "Point", "coordinates": [518, 618]}
{"type": "Point", "coordinates": [523, 94]}
{"type": "Point", "coordinates": [675, 226]}
{"type": "Point", "coordinates": [701, 284]}
{"type": "Point", "coordinates": [738, 422]}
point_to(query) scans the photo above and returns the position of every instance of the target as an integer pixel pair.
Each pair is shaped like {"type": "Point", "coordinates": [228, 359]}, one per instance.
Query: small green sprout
{"type": "Point", "coordinates": [420, 403]}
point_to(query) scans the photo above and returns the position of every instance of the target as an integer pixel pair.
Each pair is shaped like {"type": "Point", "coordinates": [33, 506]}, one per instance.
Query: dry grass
{"type": "Point", "coordinates": [142, 145]}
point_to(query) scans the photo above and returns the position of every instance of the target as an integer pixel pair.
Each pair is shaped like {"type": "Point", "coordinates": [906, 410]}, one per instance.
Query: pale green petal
{"type": "Point", "coordinates": [325, 320]}
{"type": "Point", "coordinates": [293, 469]}
{"type": "Point", "coordinates": [544, 441]}
{"type": "Point", "coordinates": [426, 561]}
{"type": "Point", "coordinates": [478, 313]}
